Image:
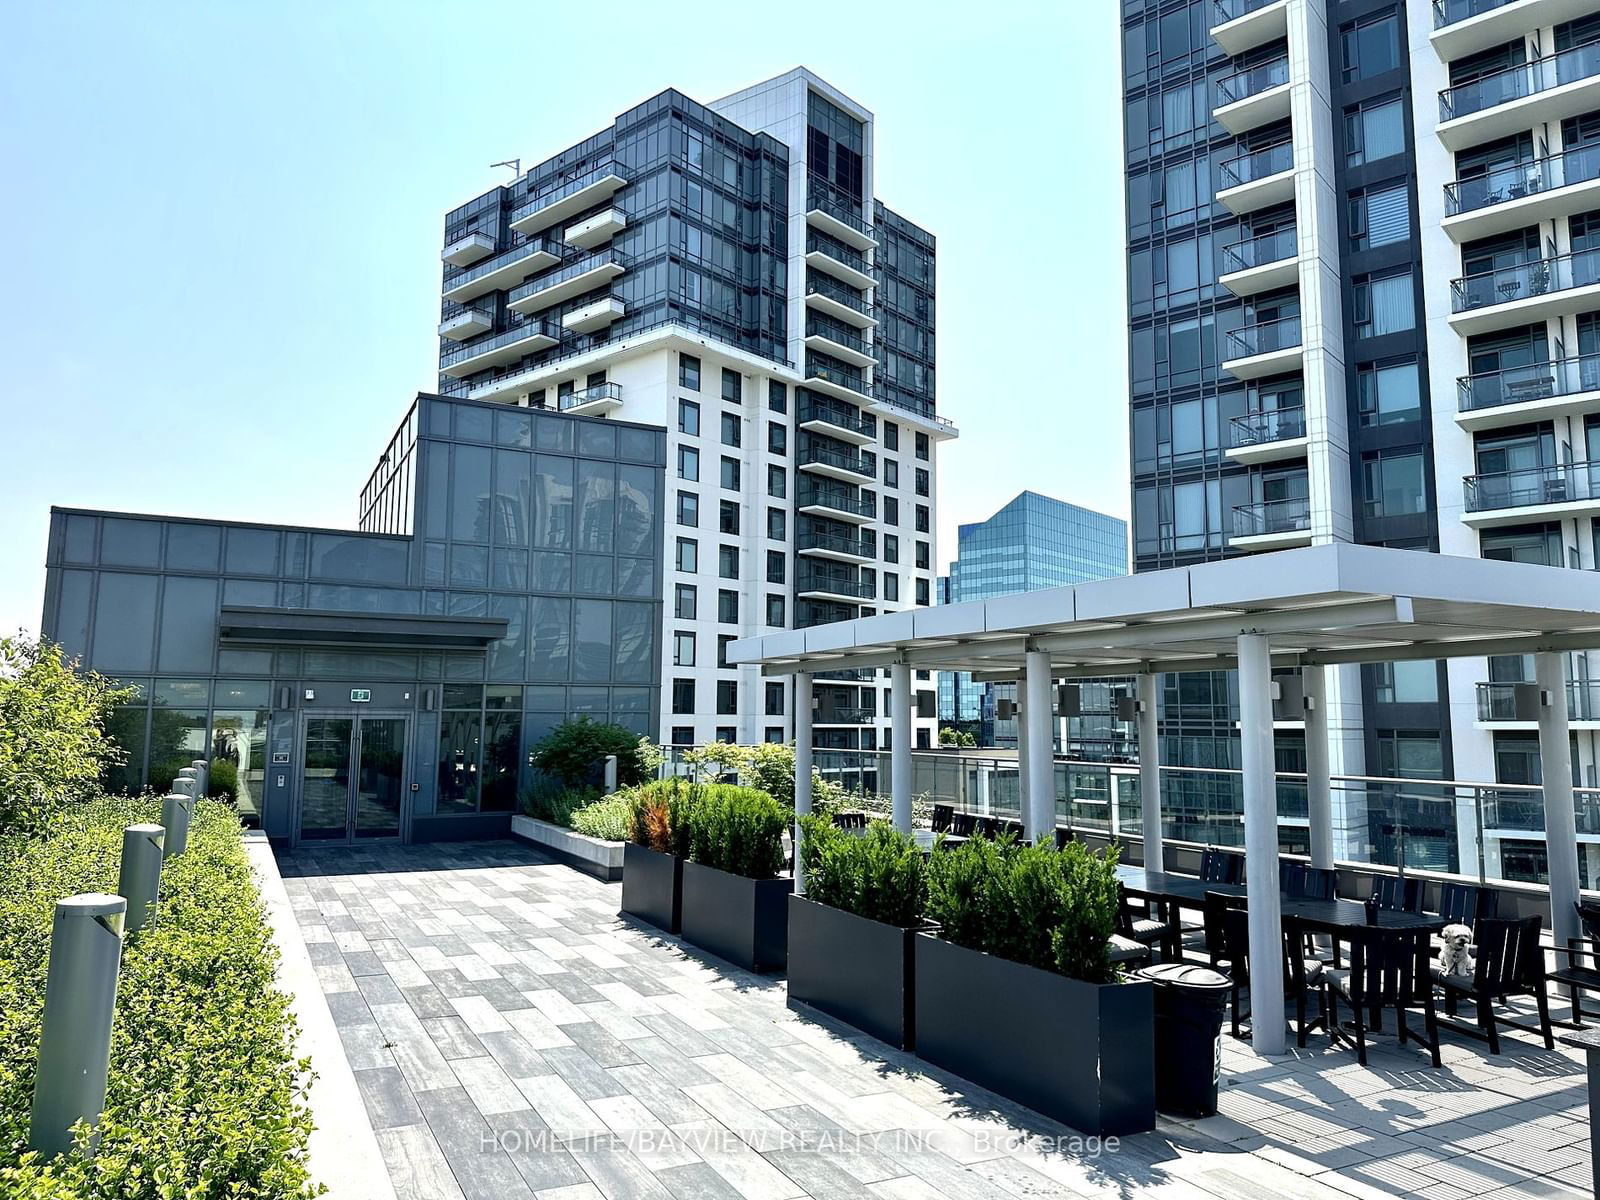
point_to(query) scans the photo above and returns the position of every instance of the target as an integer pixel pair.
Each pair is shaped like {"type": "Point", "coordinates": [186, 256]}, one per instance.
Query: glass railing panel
{"type": "Point", "coordinates": [1258, 164]}
{"type": "Point", "coordinates": [1244, 84]}
{"type": "Point", "coordinates": [1573, 482]}
{"type": "Point", "coordinates": [1292, 515]}
{"type": "Point", "coordinates": [1520, 281]}
{"type": "Point", "coordinates": [1269, 425]}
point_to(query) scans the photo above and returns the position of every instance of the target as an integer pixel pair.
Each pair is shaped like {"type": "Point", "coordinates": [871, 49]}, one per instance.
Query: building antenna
{"type": "Point", "coordinates": [514, 163]}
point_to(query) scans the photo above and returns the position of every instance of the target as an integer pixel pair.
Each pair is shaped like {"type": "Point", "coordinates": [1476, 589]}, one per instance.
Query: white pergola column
{"type": "Point", "coordinates": [1319, 795]}
{"type": "Point", "coordinates": [900, 744]}
{"type": "Point", "coordinates": [1261, 842]}
{"type": "Point", "coordinates": [1560, 821]}
{"type": "Point", "coordinates": [1041, 748]}
{"type": "Point", "coordinates": [802, 767]}
{"type": "Point", "coordinates": [1024, 813]}
{"type": "Point", "coordinates": [1150, 775]}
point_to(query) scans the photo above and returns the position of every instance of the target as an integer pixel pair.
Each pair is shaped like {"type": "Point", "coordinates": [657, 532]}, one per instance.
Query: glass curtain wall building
{"type": "Point", "coordinates": [1032, 542]}
{"type": "Point", "coordinates": [726, 271]}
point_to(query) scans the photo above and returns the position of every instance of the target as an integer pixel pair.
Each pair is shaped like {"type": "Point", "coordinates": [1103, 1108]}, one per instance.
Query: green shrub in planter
{"type": "Point", "coordinates": [571, 750]}
{"type": "Point", "coordinates": [610, 819]}
{"type": "Point", "coordinates": [553, 801]}
{"type": "Point", "coordinates": [661, 815]}
{"type": "Point", "coordinates": [880, 875]}
{"type": "Point", "coordinates": [738, 830]}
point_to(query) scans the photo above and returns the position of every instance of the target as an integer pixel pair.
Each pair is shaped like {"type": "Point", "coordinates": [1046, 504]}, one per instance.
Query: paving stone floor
{"type": "Point", "coordinates": [512, 1038]}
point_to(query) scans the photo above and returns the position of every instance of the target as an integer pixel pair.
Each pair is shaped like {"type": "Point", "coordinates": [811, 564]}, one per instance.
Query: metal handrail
{"type": "Point", "coordinates": [1540, 277]}
{"type": "Point", "coordinates": [843, 378]}
{"type": "Point", "coordinates": [819, 202]}
{"type": "Point", "coordinates": [821, 243]}
{"type": "Point", "coordinates": [1580, 164]}
{"type": "Point", "coordinates": [1268, 425]}
{"type": "Point", "coordinates": [596, 391]}
{"type": "Point", "coordinates": [1265, 337]}
{"type": "Point", "coordinates": [1274, 160]}
{"type": "Point", "coordinates": [1258, 251]}
{"type": "Point", "coordinates": [569, 271]}
{"type": "Point", "coordinates": [1241, 85]}
{"type": "Point", "coordinates": [1556, 484]}
{"type": "Point", "coordinates": [568, 188]}
{"type": "Point", "coordinates": [1532, 381]}
{"type": "Point", "coordinates": [510, 337]}
{"type": "Point", "coordinates": [833, 289]}
{"type": "Point", "coordinates": [1448, 12]}
{"type": "Point", "coordinates": [1289, 515]}
{"type": "Point", "coordinates": [1519, 81]}
{"type": "Point", "coordinates": [499, 262]}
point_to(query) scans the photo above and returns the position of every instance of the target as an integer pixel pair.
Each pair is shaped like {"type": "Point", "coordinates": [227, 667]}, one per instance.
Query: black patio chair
{"type": "Point", "coordinates": [1148, 926]}
{"type": "Point", "coordinates": [1301, 975]}
{"type": "Point", "coordinates": [1312, 883]}
{"type": "Point", "coordinates": [1582, 972]}
{"type": "Point", "coordinates": [964, 824]}
{"type": "Point", "coordinates": [1382, 974]}
{"type": "Point", "coordinates": [1063, 836]}
{"type": "Point", "coordinates": [1221, 866]}
{"type": "Point", "coordinates": [1464, 903]}
{"type": "Point", "coordinates": [989, 827]}
{"type": "Point", "coordinates": [1396, 894]}
{"type": "Point", "coordinates": [941, 817]}
{"type": "Point", "coordinates": [1510, 963]}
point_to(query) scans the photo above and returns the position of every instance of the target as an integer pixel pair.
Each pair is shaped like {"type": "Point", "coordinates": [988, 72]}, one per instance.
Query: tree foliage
{"type": "Point", "coordinates": [574, 753]}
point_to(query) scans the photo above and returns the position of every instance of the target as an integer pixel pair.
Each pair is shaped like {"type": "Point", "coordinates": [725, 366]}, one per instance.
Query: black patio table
{"type": "Point", "coordinates": [1342, 917]}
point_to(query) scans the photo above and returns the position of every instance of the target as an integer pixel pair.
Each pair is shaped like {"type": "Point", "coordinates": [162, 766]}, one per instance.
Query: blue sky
{"type": "Point", "coordinates": [223, 277]}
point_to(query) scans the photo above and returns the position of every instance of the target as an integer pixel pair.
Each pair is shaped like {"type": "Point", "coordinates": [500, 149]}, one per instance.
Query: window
{"type": "Point", "coordinates": [775, 566]}
{"type": "Point", "coordinates": [1409, 754]}
{"type": "Point", "coordinates": [777, 437]}
{"type": "Point", "coordinates": [891, 511]}
{"type": "Point", "coordinates": [922, 447]}
{"type": "Point", "coordinates": [777, 481]}
{"type": "Point", "coordinates": [891, 586]}
{"type": "Point", "coordinates": [728, 562]}
{"type": "Point", "coordinates": [728, 516]}
{"type": "Point", "coordinates": [1389, 394]}
{"type": "Point", "coordinates": [1393, 485]}
{"type": "Point", "coordinates": [683, 735]}
{"type": "Point", "coordinates": [1384, 304]}
{"type": "Point", "coordinates": [1380, 217]}
{"type": "Point", "coordinates": [777, 396]}
{"type": "Point", "coordinates": [689, 418]}
{"type": "Point", "coordinates": [891, 436]}
{"type": "Point", "coordinates": [1370, 47]}
{"type": "Point", "coordinates": [777, 524]}
{"type": "Point", "coordinates": [922, 518]}
{"type": "Point", "coordinates": [775, 606]}
{"type": "Point", "coordinates": [727, 606]}
{"type": "Point", "coordinates": [683, 696]}
{"type": "Point", "coordinates": [891, 547]}
{"type": "Point", "coordinates": [774, 734]}
{"type": "Point", "coordinates": [688, 463]}
{"type": "Point", "coordinates": [688, 509]}
{"type": "Point", "coordinates": [1414, 682]}
{"type": "Point", "coordinates": [682, 649]}
{"type": "Point", "coordinates": [731, 429]}
{"type": "Point", "coordinates": [689, 372]}
{"type": "Point", "coordinates": [727, 734]}
{"type": "Point", "coordinates": [922, 482]}
{"type": "Point", "coordinates": [686, 602]}
{"type": "Point", "coordinates": [1540, 544]}
{"type": "Point", "coordinates": [727, 697]}
{"type": "Point", "coordinates": [1374, 131]}
{"type": "Point", "coordinates": [724, 640]}
{"type": "Point", "coordinates": [891, 473]}
{"type": "Point", "coordinates": [774, 693]}
{"type": "Point", "coordinates": [688, 555]}
{"type": "Point", "coordinates": [731, 385]}
{"type": "Point", "coordinates": [922, 555]}
{"type": "Point", "coordinates": [730, 473]}
{"type": "Point", "coordinates": [922, 592]}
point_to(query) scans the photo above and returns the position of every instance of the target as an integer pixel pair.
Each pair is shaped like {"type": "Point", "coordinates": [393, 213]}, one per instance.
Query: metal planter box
{"type": "Point", "coordinates": [652, 887]}
{"type": "Point", "coordinates": [1080, 1053]}
{"type": "Point", "coordinates": [858, 970]}
{"type": "Point", "coordinates": [741, 920]}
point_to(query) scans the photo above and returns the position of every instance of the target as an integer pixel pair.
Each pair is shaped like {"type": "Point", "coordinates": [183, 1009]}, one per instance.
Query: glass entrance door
{"type": "Point", "coordinates": [353, 782]}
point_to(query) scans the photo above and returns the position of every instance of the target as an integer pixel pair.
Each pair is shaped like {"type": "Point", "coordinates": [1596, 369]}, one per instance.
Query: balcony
{"type": "Point", "coordinates": [826, 295]}
{"type": "Point", "coordinates": [1535, 392]}
{"type": "Point", "coordinates": [825, 254]}
{"type": "Point", "coordinates": [596, 230]}
{"type": "Point", "coordinates": [843, 587]}
{"type": "Point", "coordinates": [1270, 348]}
{"type": "Point", "coordinates": [1532, 494]}
{"type": "Point", "coordinates": [594, 316]}
{"type": "Point", "coordinates": [839, 421]}
{"type": "Point", "coordinates": [847, 385]}
{"type": "Point", "coordinates": [1268, 436]}
{"type": "Point", "coordinates": [1463, 27]}
{"type": "Point", "coordinates": [840, 464]}
{"type": "Point", "coordinates": [503, 270]}
{"type": "Point", "coordinates": [468, 248]}
{"type": "Point", "coordinates": [1498, 703]}
{"type": "Point", "coordinates": [838, 503]}
{"type": "Point", "coordinates": [1257, 180]}
{"type": "Point", "coordinates": [1240, 25]}
{"type": "Point", "coordinates": [594, 401]}
{"type": "Point", "coordinates": [1525, 292]}
{"type": "Point", "coordinates": [837, 220]}
{"type": "Point", "coordinates": [843, 714]}
{"type": "Point", "coordinates": [1546, 90]}
{"type": "Point", "coordinates": [1262, 264]}
{"type": "Point", "coordinates": [839, 343]}
{"type": "Point", "coordinates": [1252, 98]}
{"type": "Point", "coordinates": [499, 350]}
{"type": "Point", "coordinates": [1272, 524]}
{"type": "Point", "coordinates": [583, 275]}
{"type": "Point", "coordinates": [840, 547]}
{"type": "Point", "coordinates": [556, 204]}
{"type": "Point", "coordinates": [468, 323]}
{"type": "Point", "coordinates": [1518, 196]}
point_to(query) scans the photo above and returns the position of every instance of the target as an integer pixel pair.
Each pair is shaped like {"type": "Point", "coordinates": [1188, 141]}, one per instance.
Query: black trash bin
{"type": "Point", "coordinates": [1190, 1003]}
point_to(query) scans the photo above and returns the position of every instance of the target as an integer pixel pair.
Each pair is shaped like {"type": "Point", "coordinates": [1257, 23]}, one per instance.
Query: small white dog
{"type": "Point", "coordinates": [1455, 955]}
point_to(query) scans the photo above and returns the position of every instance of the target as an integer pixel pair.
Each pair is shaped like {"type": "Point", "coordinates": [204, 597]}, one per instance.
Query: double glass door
{"type": "Point", "coordinates": [353, 780]}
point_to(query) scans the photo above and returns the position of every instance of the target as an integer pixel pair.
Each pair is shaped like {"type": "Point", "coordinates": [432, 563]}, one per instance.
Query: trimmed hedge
{"type": "Point", "coordinates": [610, 819]}
{"type": "Point", "coordinates": [879, 875]}
{"type": "Point", "coordinates": [738, 830]}
{"type": "Point", "coordinates": [206, 1098]}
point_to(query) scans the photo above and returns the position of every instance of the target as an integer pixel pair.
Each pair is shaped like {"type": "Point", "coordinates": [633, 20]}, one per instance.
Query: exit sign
{"type": "Point", "coordinates": [360, 695]}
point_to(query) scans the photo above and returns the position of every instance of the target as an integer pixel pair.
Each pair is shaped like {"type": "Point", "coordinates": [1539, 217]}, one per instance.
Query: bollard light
{"type": "Point", "coordinates": [140, 881]}
{"type": "Point", "coordinates": [80, 995]}
{"type": "Point", "coordinates": [202, 769]}
{"type": "Point", "coordinates": [175, 812]}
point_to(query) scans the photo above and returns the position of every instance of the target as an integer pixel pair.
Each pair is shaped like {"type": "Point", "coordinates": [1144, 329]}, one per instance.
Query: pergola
{"type": "Point", "coordinates": [1309, 608]}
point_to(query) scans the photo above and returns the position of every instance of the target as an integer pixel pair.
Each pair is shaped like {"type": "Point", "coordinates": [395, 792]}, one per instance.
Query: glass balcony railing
{"type": "Point", "coordinates": [821, 243]}
{"type": "Point", "coordinates": [835, 583]}
{"type": "Point", "coordinates": [1292, 515]}
{"type": "Point", "coordinates": [588, 395]}
{"type": "Point", "coordinates": [1259, 251]}
{"type": "Point", "coordinates": [1448, 12]}
{"type": "Point", "coordinates": [847, 379]}
{"type": "Point", "coordinates": [570, 188]}
{"type": "Point", "coordinates": [517, 333]}
{"type": "Point", "coordinates": [835, 333]}
{"type": "Point", "coordinates": [842, 416]}
{"type": "Point", "coordinates": [831, 456]}
{"type": "Point", "coordinates": [1223, 11]}
{"type": "Point", "coordinates": [572, 270]}
{"type": "Point", "coordinates": [1497, 701]}
{"type": "Point", "coordinates": [1534, 381]}
{"type": "Point", "coordinates": [839, 212]}
{"type": "Point", "coordinates": [1258, 164]}
{"type": "Point", "coordinates": [1252, 82]}
{"type": "Point", "coordinates": [839, 543]}
{"type": "Point", "coordinates": [1268, 426]}
{"type": "Point", "coordinates": [500, 262]}
{"type": "Point", "coordinates": [1533, 486]}
{"type": "Point", "coordinates": [1264, 338]}
{"type": "Point", "coordinates": [844, 714]}
{"type": "Point", "coordinates": [1520, 81]}
{"type": "Point", "coordinates": [1579, 165]}
{"type": "Point", "coordinates": [861, 504]}
{"type": "Point", "coordinates": [1541, 277]}
{"type": "Point", "coordinates": [822, 285]}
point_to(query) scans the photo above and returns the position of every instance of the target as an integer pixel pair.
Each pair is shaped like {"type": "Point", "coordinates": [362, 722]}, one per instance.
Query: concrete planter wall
{"type": "Point", "coordinates": [592, 855]}
{"type": "Point", "coordinates": [858, 970]}
{"type": "Point", "coordinates": [741, 920]}
{"type": "Point", "coordinates": [652, 887]}
{"type": "Point", "coordinates": [1081, 1053]}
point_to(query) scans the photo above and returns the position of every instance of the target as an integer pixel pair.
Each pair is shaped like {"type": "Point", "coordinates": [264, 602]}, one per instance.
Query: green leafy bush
{"type": "Point", "coordinates": [206, 1099]}
{"type": "Point", "coordinates": [879, 875]}
{"type": "Point", "coordinates": [573, 750]}
{"type": "Point", "coordinates": [661, 815]}
{"type": "Point", "coordinates": [611, 818]}
{"type": "Point", "coordinates": [768, 766]}
{"type": "Point", "coordinates": [553, 801]}
{"type": "Point", "coordinates": [1047, 908]}
{"type": "Point", "coordinates": [737, 829]}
